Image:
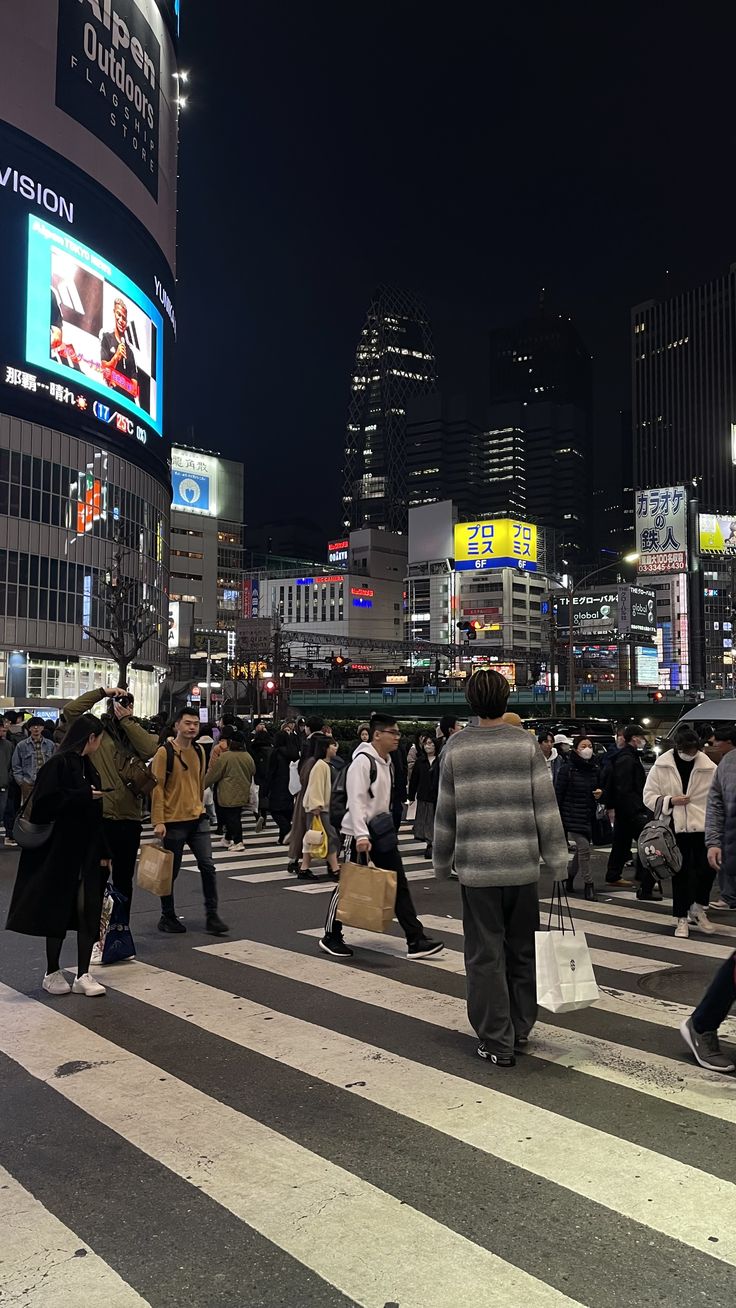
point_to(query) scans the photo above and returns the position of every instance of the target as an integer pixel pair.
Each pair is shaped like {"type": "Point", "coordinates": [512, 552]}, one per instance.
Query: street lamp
{"type": "Point", "coordinates": [572, 589]}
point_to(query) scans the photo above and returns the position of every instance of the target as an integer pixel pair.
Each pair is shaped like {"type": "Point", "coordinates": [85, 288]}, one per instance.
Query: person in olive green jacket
{"type": "Point", "coordinates": [122, 811]}
{"type": "Point", "coordinates": [233, 774]}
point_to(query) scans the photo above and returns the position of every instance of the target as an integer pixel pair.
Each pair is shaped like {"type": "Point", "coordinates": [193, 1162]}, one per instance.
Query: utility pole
{"type": "Point", "coordinates": [552, 660]}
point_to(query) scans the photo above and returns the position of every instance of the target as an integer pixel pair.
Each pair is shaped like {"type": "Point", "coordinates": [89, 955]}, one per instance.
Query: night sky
{"type": "Point", "coordinates": [468, 154]}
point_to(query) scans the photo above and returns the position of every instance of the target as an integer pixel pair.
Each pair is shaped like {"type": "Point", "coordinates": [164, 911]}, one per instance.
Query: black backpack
{"type": "Point", "coordinates": [339, 797]}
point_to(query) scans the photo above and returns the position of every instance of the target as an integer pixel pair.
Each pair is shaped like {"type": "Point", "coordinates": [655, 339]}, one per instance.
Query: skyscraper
{"type": "Point", "coordinates": [683, 358]}
{"type": "Point", "coordinates": [394, 360]}
{"type": "Point", "coordinates": [541, 386]}
{"type": "Point", "coordinates": [452, 454]}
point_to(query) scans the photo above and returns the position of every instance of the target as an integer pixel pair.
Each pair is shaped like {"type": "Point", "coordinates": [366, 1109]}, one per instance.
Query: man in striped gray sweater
{"type": "Point", "coordinates": [496, 815]}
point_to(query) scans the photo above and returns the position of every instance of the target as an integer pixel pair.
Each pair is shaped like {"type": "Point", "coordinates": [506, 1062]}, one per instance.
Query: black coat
{"type": "Point", "coordinates": [574, 788]}
{"type": "Point", "coordinates": [45, 895]}
{"type": "Point", "coordinates": [425, 779]}
{"type": "Point", "coordinates": [280, 798]}
{"type": "Point", "coordinates": [625, 787]}
{"type": "Point", "coordinates": [260, 750]}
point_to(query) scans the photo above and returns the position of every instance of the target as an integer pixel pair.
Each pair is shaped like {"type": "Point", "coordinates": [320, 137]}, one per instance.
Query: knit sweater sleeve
{"type": "Point", "coordinates": [552, 843]}
{"type": "Point", "coordinates": [715, 813]}
{"type": "Point", "coordinates": [445, 820]}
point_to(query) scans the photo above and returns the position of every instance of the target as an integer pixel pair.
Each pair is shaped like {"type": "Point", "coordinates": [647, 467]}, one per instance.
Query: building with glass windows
{"type": "Point", "coordinates": [207, 536]}
{"type": "Point", "coordinates": [394, 361]}
{"type": "Point", "coordinates": [63, 504]}
{"type": "Point", "coordinates": [87, 342]}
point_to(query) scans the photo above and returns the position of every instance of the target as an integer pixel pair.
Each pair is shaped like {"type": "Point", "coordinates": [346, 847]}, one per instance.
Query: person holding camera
{"type": "Point", "coordinates": [124, 750]}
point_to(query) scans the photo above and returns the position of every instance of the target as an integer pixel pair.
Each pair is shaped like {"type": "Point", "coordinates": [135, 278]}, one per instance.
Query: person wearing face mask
{"type": "Point", "coordinates": [578, 791]}
{"type": "Point", "coordinates": [424, 787]}
{"type": "Point", "coordinates": [624, 794]}
{"type": "Point", "coordinates": [682, 778]}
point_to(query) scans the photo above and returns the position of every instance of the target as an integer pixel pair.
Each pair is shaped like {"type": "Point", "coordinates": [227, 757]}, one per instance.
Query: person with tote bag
{"type": "Point", "coordinates": [61, 882]}
{"type": "Point", "coordinates": [317, 798]}
{"type": "Point", "coordinates": [496, 816]}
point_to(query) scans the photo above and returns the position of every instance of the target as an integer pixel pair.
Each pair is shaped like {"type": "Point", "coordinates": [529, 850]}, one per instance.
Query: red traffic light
{"type": "Point", "coordinates": [270, 685]}
{"type": "Point", "coordinates": [656, 695]}
{"type": "Point", "coordinates": [339, 660]}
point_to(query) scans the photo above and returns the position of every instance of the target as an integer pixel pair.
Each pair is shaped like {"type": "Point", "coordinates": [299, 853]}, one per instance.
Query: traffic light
{"type": "Point", "coordinates": [339, 662]}
{"type": "Point", "coordinates": [270, 686]}
{"type": "Point", "coordinates": [656, 695]}
{"type": "Point", "coordinates": [469, 630]}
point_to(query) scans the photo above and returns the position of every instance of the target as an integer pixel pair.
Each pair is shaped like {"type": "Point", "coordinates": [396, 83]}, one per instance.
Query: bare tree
{"type": "Point", "coordinates": [128, 623]}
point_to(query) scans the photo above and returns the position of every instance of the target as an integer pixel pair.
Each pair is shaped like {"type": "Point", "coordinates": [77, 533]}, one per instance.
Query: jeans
{"type": "Point", "coordinates": [405, 911]}
{"type": "Point", "coordinates": [691, 885]}
{"type": "Point", "coordinates": [499, 924]}
{"type": "Point", "coordinates": [124, 837]}
{"type": "Point", "coordinates": [580, 861]}
{"type": "Point", "coordinates": [718, 998]}
{"type": "Point", "coordinates": [3, 807]}
{"type": "Point", "coordinates": [233, 819]}
{"type": "Point", "coordinates": [196, 835]}
{"type": "Point", "coordinates": [727, 885]}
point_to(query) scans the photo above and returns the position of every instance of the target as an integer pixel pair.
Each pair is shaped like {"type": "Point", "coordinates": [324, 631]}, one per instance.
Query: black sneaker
{"type": "Point", "coordinates": [335, 946]}
{"type": "Point", "coordinates": [705, 1047]}
{"type": "Point", "coordinates": [171, 924]}
{"type": "Point", "coordinates": [500, 1060]}
{"type": "Point", "coordinates": [425, 948]}
{"type": "Point", "coordinates": [215, 925]}
{"type": "Point", "coordinates": [306, 875]}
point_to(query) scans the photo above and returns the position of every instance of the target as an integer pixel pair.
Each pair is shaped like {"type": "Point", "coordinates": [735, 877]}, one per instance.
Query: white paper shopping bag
{"type": "Point", "coordinates": [565, 977]}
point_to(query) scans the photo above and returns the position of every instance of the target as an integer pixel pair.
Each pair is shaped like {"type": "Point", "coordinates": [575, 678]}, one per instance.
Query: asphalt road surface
{"type": "Point", "coordinates": [244, 1123]}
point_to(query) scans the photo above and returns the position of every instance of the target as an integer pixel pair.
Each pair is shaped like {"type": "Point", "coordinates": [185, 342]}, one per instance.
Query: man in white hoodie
{"type": "Point", "coordinates": [368, 829]}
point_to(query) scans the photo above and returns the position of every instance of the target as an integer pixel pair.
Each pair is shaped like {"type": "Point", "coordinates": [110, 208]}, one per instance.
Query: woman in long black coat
{"type": "Point", "coordinates": [578, 789]}
{"type": "Point", "coordinates": [280, 799]}
{"type": "Point", "coordinates": [60, 886]}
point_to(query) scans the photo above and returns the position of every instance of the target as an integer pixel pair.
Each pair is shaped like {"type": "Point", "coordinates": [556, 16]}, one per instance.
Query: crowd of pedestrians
{"type": "Point", "coordinates": [491, 804]}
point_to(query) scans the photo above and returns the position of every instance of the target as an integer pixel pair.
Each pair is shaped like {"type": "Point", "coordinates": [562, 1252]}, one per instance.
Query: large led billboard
{"type": "Point", "coordinates": [717, 535]}
{"type": "Point", "coordinates": [194, 482]}
{"type": "Point", "coordinates": [87, 328]}
{"type": "Point", "coordinates": [85, 315]}
{"type": "Point", "coordinates": [95, 81]}
{"type": "Point", "coordinates": [495, 543]}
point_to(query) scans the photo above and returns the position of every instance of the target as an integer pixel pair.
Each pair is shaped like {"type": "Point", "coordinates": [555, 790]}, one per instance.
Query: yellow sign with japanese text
{"type": "Point", "coordinates": [495, 543]}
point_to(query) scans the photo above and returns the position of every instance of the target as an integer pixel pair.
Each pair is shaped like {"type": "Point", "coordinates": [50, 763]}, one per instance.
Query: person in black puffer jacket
{"type": "Point", "coordinates": [578, 790]}
{"type": "Point", "coordinates": [260, 748]}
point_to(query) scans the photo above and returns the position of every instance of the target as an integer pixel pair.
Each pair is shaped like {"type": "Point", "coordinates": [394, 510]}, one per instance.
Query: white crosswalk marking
{"type": "Point", "coordinates": [612, 1172]}
{"type": "Point", "coordinates": [650, 1074]}
{"type": "Point", "coordinates": [292, 1196]}
{"type": "Point", "coordinates": [654, 918]}
{"type": "Point", "coordinates": [394, 945]}
{"type": "Point", "coordinates": [43, 1263]}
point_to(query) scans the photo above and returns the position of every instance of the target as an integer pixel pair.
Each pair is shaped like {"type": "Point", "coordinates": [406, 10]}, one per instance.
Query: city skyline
{"type": "Point", "coordinates": [528, 162]}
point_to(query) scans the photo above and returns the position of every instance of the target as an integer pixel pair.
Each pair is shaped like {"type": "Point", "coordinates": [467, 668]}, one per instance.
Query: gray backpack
{"type": "Point", "coordinates": [658, 850]}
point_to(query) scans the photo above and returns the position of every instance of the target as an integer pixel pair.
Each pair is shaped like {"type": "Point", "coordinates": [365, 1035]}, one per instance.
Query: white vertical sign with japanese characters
{"type": "Point", "coordinates": [661, 529]}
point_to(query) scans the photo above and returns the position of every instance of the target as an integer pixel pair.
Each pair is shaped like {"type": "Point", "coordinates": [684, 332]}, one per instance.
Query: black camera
{"type": "Point", "coordinates": [125, 701]}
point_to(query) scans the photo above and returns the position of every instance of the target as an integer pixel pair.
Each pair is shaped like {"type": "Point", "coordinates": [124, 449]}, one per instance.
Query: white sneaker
{"type": "Point", "coordinates": [240, 845]}
{"type": "Point", "coordinates": [682, 930]}
{"type": "Point", "coordinates": [10, 843]}
{"type": "Point", "coordinates": [223, 844]}
{"type": "Point", "coordinates": [86, 985]}
{"type": "Point", "coordinates": [96, 958]}
{"type": "Point", "coordinates": [55, 983]}
{"type": "Point", "coordinates": [698, 918]}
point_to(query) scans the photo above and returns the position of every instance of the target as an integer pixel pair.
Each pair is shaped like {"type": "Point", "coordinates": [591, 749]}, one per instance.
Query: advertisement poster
{"type": "Point", "coordinates": [661, 530]}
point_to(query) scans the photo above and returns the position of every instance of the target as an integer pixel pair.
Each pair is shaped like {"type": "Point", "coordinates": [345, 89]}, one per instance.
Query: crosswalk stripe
{"type": "Point", "coordinates": [674, 1198]}
{"type": "Point", "coordinates": [653, 940]}
{"type": "Point", "coordinates": [615, 962]}
{"type": "Point", "coordinates": [636, 1069]}
{"type": "Point", "coordinates": [656, 1011]}
{"type": "Point", "coordinates": [395, 947]}
{"type": "Point", "coordinates": [655, 917]}
{"type": "Point", "coordinates": [293, 1197]}
{"type": "Point", "coordinates": [415, 874]}
{"type": "Point", "coordinates": [42, 1262]}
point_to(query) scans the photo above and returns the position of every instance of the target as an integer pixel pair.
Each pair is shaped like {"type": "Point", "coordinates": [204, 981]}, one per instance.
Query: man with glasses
{"type": "Point", "coordinates": [366, 830]}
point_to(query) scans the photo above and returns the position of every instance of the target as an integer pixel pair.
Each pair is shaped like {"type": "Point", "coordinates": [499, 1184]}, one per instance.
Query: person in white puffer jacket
{"type": "Point", "coordinates": [682, 779]}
